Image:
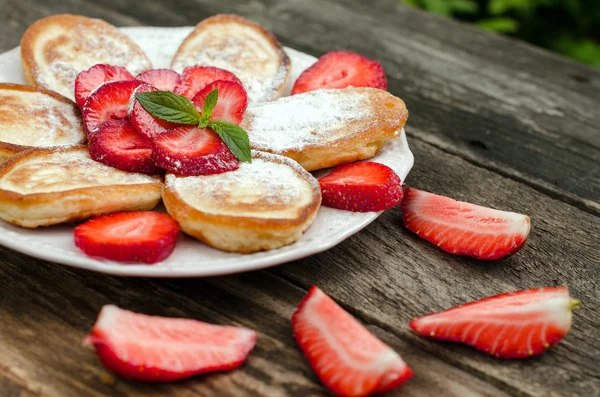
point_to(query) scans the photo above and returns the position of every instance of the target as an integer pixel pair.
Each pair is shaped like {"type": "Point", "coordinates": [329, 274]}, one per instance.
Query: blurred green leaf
{"type": "Point", "coordinates": [584, 50]}
{"type": "Point", "coordinates": [502, 25]}
{"type": "Point", "coordinates": [449, 7]}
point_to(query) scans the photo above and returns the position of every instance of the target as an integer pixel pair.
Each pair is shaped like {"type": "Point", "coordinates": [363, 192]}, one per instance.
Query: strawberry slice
{"type": "Point", "coordinates": [341, 69]}
{"type": "Point", "coordinates": [348, 358]}
{"type": "Point", "coordinates": [109, 102]}
{"type": "Point", "coordinates": [462, 228]}
{"type": "Point", "coordinates": [512, 325]}
{"type": "Point", "coordinates": [232, 102]}
{"type": "Point", "coordinates": [190, 151]}
{"type": "Point", "coordinates": [142, 236]}
{"type": "Point", "coordinates": [162, 79]}
{"type": "Point", "coordinates": [117, 144]}
{"type": "Point", "coordinates": [361, 187]}
{"type": "Point", "coordinates": [88, 80]}
{"type": "Point", "coordinates": [195, 78]}
{"type": "Point", "coordinates": [160, 349]}
{"type": "Point", "coordinates": [144, 123]}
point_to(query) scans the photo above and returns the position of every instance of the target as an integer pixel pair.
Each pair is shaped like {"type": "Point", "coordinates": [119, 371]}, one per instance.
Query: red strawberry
{"type": "Point", "coordinates": [341, 69]}
{"type": "Point", "coordinates": [162, 79]}
{"type": "Point", "coordinates": [462, 228]}
{"type": "Point", "coordinates": [109, 102]}
{"type": "Point", "coordinates": [160, 349]}
{"type": "Point", "coordinates": [195, 78]}
{"type": "Point", "coordinates": [88, 80]}
{"type": "Point", "coordinates": [232, 102]}
{"type": "Point", "coordinates": [513, 325]}
{"type": "Point", "coordinates": [118, 145]}
{"type": "Point", "coordinates": [143, 236]}
{"type": "Point", "coordinates": [192, 151]}
{"type": "Point", "coordinates": [348, 358]}
{"type": "Point", "coordinates": [361, 187]}
{"type": "Point", "coordinates": [144, 123]}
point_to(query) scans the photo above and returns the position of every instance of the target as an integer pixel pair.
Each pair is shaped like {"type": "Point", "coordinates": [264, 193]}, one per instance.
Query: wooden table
{"type": "Point", "coordinates": [492, 120]}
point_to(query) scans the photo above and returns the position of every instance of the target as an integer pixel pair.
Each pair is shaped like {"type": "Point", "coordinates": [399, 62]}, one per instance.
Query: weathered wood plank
{"type": "Point", "coordinates": [388, 275]}
{"type": "Point", "coordinates": [47, 309]}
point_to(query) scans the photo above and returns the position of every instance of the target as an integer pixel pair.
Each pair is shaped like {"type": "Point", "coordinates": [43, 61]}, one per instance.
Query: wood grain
{"type": "Point", "coordinates": [492, 121]}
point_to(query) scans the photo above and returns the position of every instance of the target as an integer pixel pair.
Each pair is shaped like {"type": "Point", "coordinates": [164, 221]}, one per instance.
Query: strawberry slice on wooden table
{"type": "Point", "coordinates": [144, 123]}
{"type": "Point", "coordinates": [89, 80]}
{"type": "Point", "coordinates": [160, 349]}
{"type": "Point", "coordinates": [346, 356]}
{"type": "Point", "coordinates": [109, 102]}
{"type": "Point", "coordinates": [232, 104]}
{"type": "Point", "coordinates": [361, 187]}
{"type": "Point", "coordinates": [463, 228]}
{"type": "Point", "coordinates": [162, 79]}
{"type": "Point", "coordinates": [191, 151]}
{"type": "Point", "coordinates": [341, 69]}
{"type": "Point", "coordinates": [195, 78]}
{"type": "Point", "coordinates": [141, 236]}
{"type": "Point", "coordinates": [117, 144]}
{"type": "Point", "coordinates": [512, 325]}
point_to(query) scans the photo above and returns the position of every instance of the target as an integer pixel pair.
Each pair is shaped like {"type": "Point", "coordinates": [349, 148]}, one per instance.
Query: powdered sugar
{"type": "Point", "coordinates": [313, 118]}
{"type": "Point", "coordinates": [261, 66]}
{"type": "Point", "coordinates": [269, 187]}
{"type": "Point", "coordinates": [31, 118]}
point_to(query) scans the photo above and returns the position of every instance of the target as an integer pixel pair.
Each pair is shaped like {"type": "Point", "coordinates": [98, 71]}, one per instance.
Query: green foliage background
{"type": "Point", "coordinates": [571, 27]}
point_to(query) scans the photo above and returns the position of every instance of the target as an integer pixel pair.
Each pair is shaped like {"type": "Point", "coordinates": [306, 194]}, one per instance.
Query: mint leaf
{"type": "Point", "coordinates": [169, 106]}
{"type": "Point", "coordinates": [209, 105]}
{"type": "Point", "coordinates": [234, 137]}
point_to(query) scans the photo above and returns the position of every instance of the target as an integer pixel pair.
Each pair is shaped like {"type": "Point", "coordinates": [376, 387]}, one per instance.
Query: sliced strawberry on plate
{"type": "Point", "coordinates": [189, 151]}
{"type": "Point", "coordinates": [143, 236]}
{"type": "Point", "coordinates": [361, 187]}
{"type": "Point", "coordinates": [512, 325]}
{"type": "Point", "coordinates": [89, 80]}
{"type": "Point", "coordinates": [195, 78]}
{"type": "Point", "coordinates": [160, 349]}
{"type": "Point", "coordinates": [232, 102]}
{"type": "Point", "coordinates": [117, 144]}
{"type": "Point", "coordinates": [109, 102]}
{"type": "Point", "coordinates": [162, 79]}
{"type": "Point", "coordinates": [462, 228]}
{"type": "Point", "coordinates": [341, 69]}
{"type": "Point", "coordinates": [144, 123]}
{"type": "Point", "coordinates": [346, 356]}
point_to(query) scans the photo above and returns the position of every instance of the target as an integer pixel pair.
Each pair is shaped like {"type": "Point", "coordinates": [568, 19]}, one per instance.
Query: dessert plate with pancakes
{"type": "Point", "coordinates": [314, 228]}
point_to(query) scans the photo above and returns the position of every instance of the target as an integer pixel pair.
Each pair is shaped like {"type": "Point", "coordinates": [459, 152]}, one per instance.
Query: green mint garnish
{"type": "Point", "coordinates": [169, 106]}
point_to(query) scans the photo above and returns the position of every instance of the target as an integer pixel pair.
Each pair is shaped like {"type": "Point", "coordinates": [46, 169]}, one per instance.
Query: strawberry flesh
{"type": "Point", "coordinates": [89, 80]}
{"type": "Point", "coordinates": [361, 187]}
{"type": "Point", "coordinates": [117, 144]}
{"type": "Point", "coordinates": [191, 151]}
{"type": "Point", "coordinates": [109, 102]}
{"type": "Point", "coordinates": [232, 102]}
{"type": "Point", "coordinates": [346, 356]}
{"type": "Point", "coordinates": [143, 122]}
{"type": "Point", "coordinates": [512, 325]}
{"type": "Point", "coordinates": [162, 79]}
{"type": "Point", "coordinates": [463, 228]}
{"type": "Point", "coordinates": [341, 69]}
{"type": "Point", "coordinates": [160, 349]}
{"type": "Point", "coordinates": [131, 237]}
{"type": "Point", "coordinates": [195, 78]}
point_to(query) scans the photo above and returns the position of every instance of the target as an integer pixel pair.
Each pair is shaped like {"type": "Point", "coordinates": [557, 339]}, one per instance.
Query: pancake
{"type": "Point", "coordinates": [242, 47]}
{"type": "Point", "coordinates": [55, 49]}
{"type": "Point", "coordinates": [325, 128]}
{"type": "Point", "coordinates": [263, 205]}
{"type": "Point", "coordinates": [44, 187]}
{"type": "Point", "coordinates": [31, 118]}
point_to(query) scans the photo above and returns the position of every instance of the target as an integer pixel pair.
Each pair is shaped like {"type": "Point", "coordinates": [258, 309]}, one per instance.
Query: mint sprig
{"type": "Point", "coordinates": [169, 106]}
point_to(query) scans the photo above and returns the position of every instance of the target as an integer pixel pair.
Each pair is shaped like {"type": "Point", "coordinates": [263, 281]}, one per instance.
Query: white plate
{"type": "Point", "coordinates": [192, 258]}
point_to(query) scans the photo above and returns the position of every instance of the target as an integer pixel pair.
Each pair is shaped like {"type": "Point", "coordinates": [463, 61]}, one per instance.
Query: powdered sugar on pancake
{"type": "Point", "coordinates": [271, 186]}
{"type": "Point", "coordinates": [30, 118]}
{"type": "Point", "coordinates": [57, 171]}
